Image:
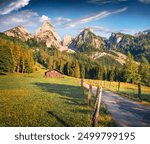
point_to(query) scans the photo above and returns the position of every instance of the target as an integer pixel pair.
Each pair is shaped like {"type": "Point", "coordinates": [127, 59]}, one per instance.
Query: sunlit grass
{"type": "Point", "coordinates": [126, 89]}
{"type": "Point", "coordinates": [34, 100]}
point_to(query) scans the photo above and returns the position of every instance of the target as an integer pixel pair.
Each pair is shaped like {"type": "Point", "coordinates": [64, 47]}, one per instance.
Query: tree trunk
{"type": "Point", "coordinates": [118, 86]}
{"type": "Point", "coordinates": [110, 85]}
{"type": "Point", "coordinates": [82, 86]}
{"type": "Point", "coordinates": [17, 69]}
{"type": "Point", "coordinates": [22, 67]}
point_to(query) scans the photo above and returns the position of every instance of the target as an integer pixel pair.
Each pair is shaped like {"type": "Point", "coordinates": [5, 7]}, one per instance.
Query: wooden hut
{"type": "Point", "coordinates": [54, 74]}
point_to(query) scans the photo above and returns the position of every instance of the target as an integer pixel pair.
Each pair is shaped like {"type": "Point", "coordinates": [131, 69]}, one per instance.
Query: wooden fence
{"type": "Point", "coordinates": [95, 113]}
{"type": "Point", "coordinates": [97, 103]}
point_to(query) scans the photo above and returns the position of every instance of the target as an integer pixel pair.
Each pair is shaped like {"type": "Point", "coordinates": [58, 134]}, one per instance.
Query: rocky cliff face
{"type": "Point", "coordinates": [119, 40]}
{"type": "Point", "coordinates": [87, 39]}
{"type": "Point", "coordinates": [19, 32]}
{"type": "Point", "coordinates": [47, 34]}
{"type": "Point", "coordinates": [67, 40]}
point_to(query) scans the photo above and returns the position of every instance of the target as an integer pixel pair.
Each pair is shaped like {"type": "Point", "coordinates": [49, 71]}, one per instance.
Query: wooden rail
{"type": "Point", "coordinates": [95, 113]}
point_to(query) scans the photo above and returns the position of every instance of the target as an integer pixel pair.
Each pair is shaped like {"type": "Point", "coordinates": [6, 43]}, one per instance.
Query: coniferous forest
{"type": "Point", "coordinates": [20, 57]}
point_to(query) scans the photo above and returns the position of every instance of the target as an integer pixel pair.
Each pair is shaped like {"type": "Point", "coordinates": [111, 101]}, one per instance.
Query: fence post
{"type": "Point", "coordinates": [97, 93]}
{"type": "Point", "coordinates": [90, 95]}
{"type": "Point", "coordinates": [82, 83]}
{"type": "Point", "coordinates": [118, 86]}
{"type": "Point", "coordinates": [139, 90]}
{"type": "Point", "coordinates": [95, 114]}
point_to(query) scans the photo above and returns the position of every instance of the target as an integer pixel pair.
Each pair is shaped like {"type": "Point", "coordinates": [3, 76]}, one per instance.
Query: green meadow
{"type": "Point", "coordinates": [34, 100]}
{"type": "Point", "coordinates": [126, 89]}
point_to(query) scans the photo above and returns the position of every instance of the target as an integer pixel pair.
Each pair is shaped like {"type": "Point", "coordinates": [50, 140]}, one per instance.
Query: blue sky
{"type": "Point", "coordinates": [69, 17]}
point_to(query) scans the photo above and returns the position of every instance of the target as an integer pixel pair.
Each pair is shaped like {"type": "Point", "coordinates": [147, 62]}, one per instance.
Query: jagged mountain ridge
{"type": "Point", "coordinates": [19, 32]}
{"type": "Point", "coordinates": [47, 34]}
{"type": "Point", "coordinates": [119, 40]}
{"type": "Point", "coordinates": [86, 38]}
{"type": "Point", "coordinates": [67, 40]}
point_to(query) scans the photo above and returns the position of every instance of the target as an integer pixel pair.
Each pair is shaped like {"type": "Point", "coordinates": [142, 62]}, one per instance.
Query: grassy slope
{"type": "Point", "coordinates": [126, 89]}
{"type": "Point", "coordinates": [33, 100]}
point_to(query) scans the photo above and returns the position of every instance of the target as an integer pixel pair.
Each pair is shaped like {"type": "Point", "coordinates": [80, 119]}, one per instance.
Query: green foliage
{"type": "Point", "coordinates": [144, 71]}
{"type": "Point", "coordinates": [131, 70]}
{"type": "Point", "coordinates": [6, 62]}
{"type": "Point", "coordinates": [19, 58]}
{"type": "Point", "coordinates": [77, 70]}
{"type": "Point", "coordinates": [15, 56]}
{"type": "Point", "coordinates": [138, 46]}
{"type": "Point", "coordinates": [43, 102]}
{"type": "Point", "coordinates": [87, 48]}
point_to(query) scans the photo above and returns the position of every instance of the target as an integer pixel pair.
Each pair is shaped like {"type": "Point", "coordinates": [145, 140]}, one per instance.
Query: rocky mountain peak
{"type": "Point", "coordinates": [89, 29]}
{"type": "Point", "coordinates": [19, 32]}
{"type": "Point", "coordinates": [46, 33]}
{"type": "Point", "coordinates": [67, 40]}
{"type": "Point", "coordinates": [47, 26]}
{"type": "Point", "coordinates": [116, 37]}
{"type": "Point", "coordinates": [87, 38]}
{"type": "Point", "coordinates": [146, 32]}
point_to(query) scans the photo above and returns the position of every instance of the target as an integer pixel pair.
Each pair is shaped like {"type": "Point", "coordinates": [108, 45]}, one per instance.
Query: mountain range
{"type": "Point", "coordinates": [87, 41]}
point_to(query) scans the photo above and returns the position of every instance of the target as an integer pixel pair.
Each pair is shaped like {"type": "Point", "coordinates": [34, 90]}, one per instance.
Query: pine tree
{"type": "Point", "coordinates": [6, 61]}
{"type": "Point", "coordinates": [131, 70]}
{"type": "Point", "coordinates": [77, 70]}
{"type": "Point", "coordinates": [82, 71]}
{"type": "Point", "coordinates": [100, 73]}
{"type": "Point", "coordinates": [144, 71]}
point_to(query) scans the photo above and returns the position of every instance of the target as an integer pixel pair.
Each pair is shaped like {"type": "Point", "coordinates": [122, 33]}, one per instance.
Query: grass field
{"type": "Point", "coordinates": [126, 89]}
{"type": "Point", "coordinates": [33, 100]}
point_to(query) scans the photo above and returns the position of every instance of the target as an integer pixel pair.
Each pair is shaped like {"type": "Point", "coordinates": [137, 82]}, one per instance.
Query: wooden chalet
{"type": "Point", "coordinates": [54, 74]}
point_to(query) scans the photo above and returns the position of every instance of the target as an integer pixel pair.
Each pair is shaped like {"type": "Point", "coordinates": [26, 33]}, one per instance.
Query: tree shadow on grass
{"type": "Point", "coordinates": [71, 94]}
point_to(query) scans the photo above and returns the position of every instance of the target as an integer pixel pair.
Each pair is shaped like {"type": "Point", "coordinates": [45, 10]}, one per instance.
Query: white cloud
{"type": "Point", "coordinates": [106, 32]}
{"type": "Point", "coordinates": [145, 1]}
{"type": "Point", "coordinates": [15, 5]}
{"type": "Point", "coordinates": [44, 18]}
{"type": "Point", "coordinates": [102, 2]}
{"type": "Point", "coordinates": [98, 16]}
{"type": "Point", "coordinates": [21, 17]}
{"type": "Point", "coordinates": [62, 20]}
{"type": "Point", "coordinates": [101, 29]}
{"type": "Point", "coordinates": [26, 18]}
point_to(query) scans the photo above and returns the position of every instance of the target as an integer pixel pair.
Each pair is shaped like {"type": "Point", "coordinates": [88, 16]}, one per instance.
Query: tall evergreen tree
{"type": "Point", "coordinates": [77, 70]}
{"type": "Point", "coordinates": [82, 71]}
{"type": "Point", "coordinates": [6, 61]}
{"type": "Point", "coordinates": [131, 70]}
{"type": "Point", "coordinates": [144, 71]}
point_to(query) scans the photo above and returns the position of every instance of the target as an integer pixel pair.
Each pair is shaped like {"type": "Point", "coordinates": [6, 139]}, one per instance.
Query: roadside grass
{"type": "Point", "coordinates": [126, 89]}
{"type": "Point", "coordinates": [31, 100]}
{"type": "Point", "coordinates": [105, 118]}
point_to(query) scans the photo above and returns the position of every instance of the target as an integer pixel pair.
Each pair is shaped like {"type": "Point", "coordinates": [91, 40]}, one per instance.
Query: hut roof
{"type": "Point", "coordinates": [54, 70]}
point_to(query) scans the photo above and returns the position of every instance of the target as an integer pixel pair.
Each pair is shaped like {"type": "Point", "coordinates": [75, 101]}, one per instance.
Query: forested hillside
{"type": "Point", "coordinates": [138, 46]}
{"type": "Point", "coordinates": [18, 56]}
{"type": "Point", "coordinates": [15, 56]}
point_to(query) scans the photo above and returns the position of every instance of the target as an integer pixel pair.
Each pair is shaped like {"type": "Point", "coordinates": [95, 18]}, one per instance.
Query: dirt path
{"type": "Point", "coordinates": [125, 112]}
